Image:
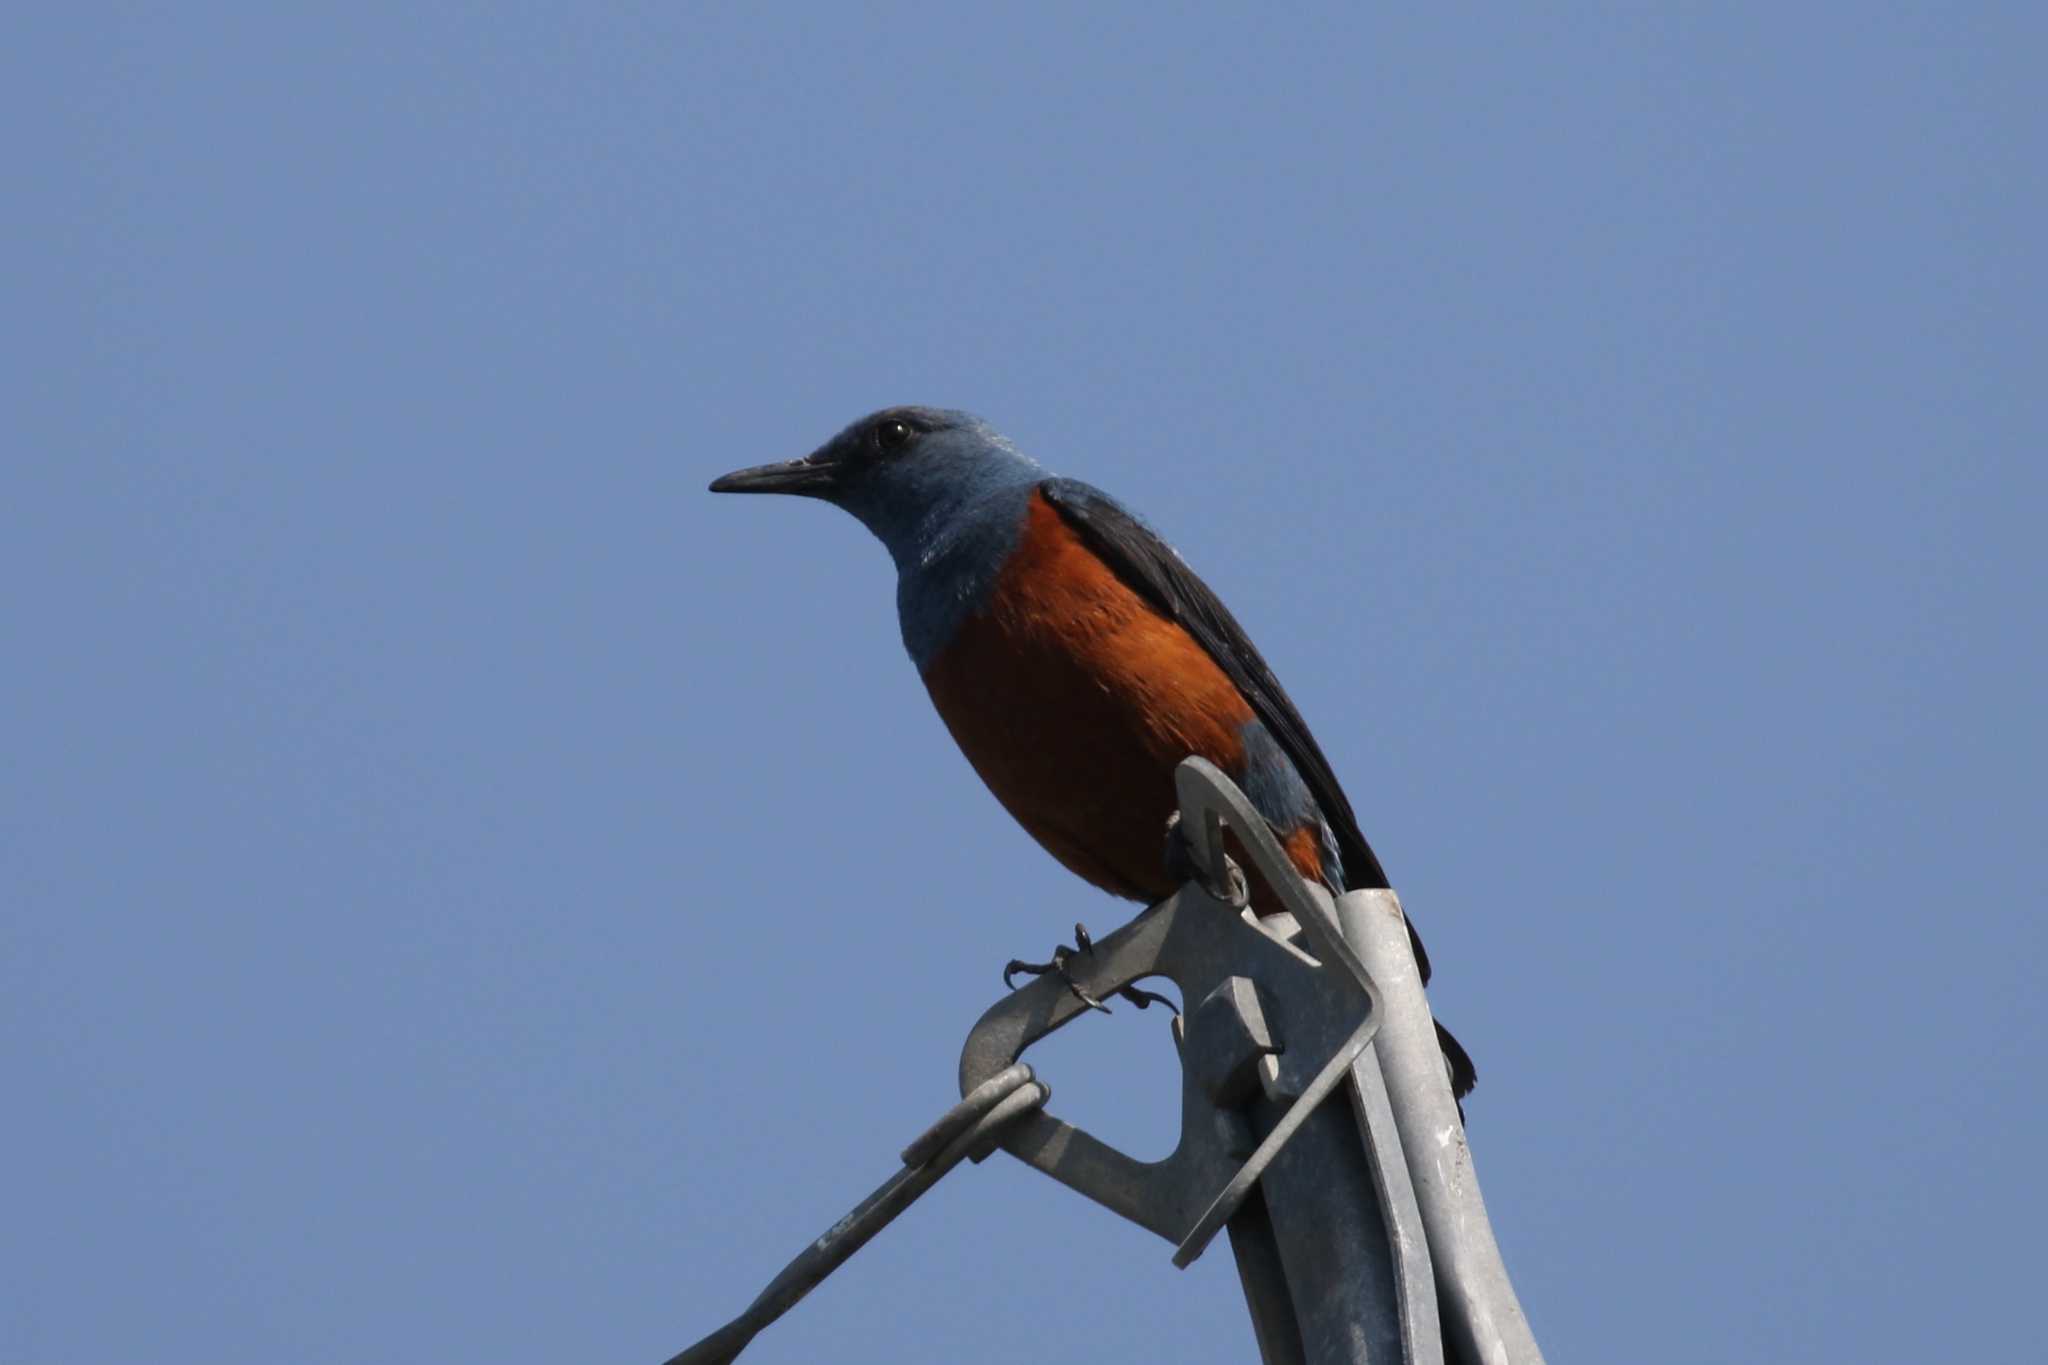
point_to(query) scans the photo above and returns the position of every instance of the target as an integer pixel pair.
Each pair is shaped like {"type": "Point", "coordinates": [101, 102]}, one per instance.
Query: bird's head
{"type": "Point", "coordinates": [908, 473]}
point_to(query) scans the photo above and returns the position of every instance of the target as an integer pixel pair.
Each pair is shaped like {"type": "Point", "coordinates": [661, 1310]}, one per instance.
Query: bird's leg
{"type": "Point", "coordinates": [1063, 955]}
{"type": "Point", "coordinates": [1182, 866]}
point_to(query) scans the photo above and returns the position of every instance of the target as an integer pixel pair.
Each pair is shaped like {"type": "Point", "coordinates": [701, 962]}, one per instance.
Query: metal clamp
{"type": "Point", "coordinates": [1326, 1010]}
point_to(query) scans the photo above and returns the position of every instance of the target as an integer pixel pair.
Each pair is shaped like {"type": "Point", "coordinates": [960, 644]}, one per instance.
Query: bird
{"type": "Point", "coordinates": [1077, 659]}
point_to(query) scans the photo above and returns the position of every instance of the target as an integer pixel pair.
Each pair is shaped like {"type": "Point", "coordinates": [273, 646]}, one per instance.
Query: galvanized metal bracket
{"type": "Point", "coordinates": [1325, 1011]}
{"type": "Point", "coordinates": [1358, 1229]}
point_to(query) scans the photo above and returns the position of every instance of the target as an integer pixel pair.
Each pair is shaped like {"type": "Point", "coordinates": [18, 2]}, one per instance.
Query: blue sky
{"type": "Point", "coordinates": [465, 892]}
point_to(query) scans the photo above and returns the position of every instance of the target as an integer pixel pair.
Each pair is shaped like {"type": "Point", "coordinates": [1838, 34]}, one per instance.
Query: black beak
{"type": "Point", "coordinates": [810, 478]}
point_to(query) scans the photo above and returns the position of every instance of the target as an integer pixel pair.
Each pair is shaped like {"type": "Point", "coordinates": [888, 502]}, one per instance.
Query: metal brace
{"type": "Point", "coordinates": [1346, 1226]}
{"type": "Point", "coordinates": [1204, 946]}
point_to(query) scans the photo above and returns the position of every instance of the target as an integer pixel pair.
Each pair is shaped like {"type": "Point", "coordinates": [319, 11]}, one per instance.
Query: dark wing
{"type": "Point", "coordinates": [1149, 566]}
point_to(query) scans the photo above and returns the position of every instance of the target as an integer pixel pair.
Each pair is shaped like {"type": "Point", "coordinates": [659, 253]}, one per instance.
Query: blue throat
{"type": "Point", "coordinates": [953, 568]}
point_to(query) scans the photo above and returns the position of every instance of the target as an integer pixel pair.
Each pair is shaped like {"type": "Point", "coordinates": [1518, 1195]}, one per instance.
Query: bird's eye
{"type": "Point", "coordinates": [892, 434]}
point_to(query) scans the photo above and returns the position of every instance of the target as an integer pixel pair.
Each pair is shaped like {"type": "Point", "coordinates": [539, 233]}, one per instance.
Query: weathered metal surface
{"type": "Point", "coordinates": [1335, 1248]}
{"type": "Point", "coordinates": [1226, 1040]}
{"type": "Point", "coordinates": [1257, 1252]}
{"type": "Point", "coordinates": [1483, 1321]}
{"type": "Point", "coordinates": [1394, 1197]}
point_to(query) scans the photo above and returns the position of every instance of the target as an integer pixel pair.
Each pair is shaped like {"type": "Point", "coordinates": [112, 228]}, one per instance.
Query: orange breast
{"type": "Point", "coordinates": [1074, 699]}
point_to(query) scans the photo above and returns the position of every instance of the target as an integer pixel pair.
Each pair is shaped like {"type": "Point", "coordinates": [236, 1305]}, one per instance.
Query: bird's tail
{"type": "Point", "coordinates": [1464, 1075]}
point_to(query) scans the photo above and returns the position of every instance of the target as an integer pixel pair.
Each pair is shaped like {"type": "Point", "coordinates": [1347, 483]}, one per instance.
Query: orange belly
{"type": "Point", "coordinates": [1074, 700]}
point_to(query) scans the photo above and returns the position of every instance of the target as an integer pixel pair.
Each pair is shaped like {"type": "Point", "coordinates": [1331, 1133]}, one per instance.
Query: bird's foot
{"type": "Point", "coordinates": [1182, 866]}
{"type": "Point", "coordinates": [1063, 955]}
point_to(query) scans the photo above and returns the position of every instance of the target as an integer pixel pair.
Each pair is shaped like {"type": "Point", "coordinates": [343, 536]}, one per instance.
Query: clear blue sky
{"type": "Point", "coordinates": [468, 894]}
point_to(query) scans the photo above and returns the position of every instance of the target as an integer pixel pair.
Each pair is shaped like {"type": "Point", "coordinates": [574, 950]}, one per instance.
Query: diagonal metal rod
{"type": "Point", "coordinates": [978, 1119]}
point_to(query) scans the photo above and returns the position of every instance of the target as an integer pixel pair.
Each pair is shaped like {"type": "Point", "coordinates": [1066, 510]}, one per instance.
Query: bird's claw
{"type": "Point", "coordinates": [1063, 955]}
{"type": "Point", "coordinates": [1143, 998]}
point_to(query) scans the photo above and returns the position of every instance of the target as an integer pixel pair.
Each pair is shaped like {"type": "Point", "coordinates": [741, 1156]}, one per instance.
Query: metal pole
{"type": "Point", "coordinates": [1337, 1250]}
{"type": "Point", "coordinates": [1483, 1320]}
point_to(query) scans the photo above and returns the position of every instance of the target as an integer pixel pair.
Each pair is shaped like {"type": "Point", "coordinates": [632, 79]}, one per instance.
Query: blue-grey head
{"type": "Point", "coordinates": [943, 490]}
{"type": "Point", "coordinates": [912, 475]}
